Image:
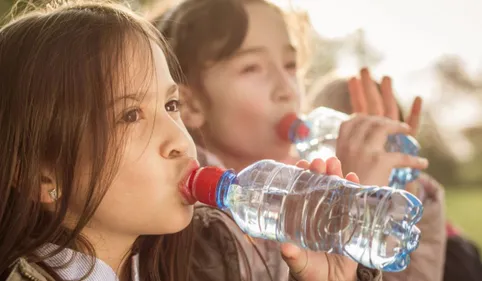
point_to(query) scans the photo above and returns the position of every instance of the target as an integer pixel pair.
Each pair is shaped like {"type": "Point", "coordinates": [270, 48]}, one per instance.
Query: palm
{"type": "Point", "coordinates": [335, 267]}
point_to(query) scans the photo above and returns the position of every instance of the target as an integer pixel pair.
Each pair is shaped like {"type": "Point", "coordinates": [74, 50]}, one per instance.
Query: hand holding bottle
{"type": "Point", "coordinates": [307, 265]}
{"type": "Point", "coordinates": [361, 148]}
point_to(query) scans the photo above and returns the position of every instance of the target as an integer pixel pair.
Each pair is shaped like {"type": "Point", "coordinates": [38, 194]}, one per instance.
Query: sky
{"type": "Point", "coordinates": [410, 34]}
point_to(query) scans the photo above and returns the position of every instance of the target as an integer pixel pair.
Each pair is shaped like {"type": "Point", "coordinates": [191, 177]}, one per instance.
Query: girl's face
{"type": "Point", "coordinates": [249, 93]}
{"type": "Point", "coordinates": [145, 196]}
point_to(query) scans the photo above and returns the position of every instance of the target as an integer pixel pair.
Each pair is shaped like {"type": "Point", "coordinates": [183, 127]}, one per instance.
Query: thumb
{"type": "Point", "coordinates": [295, 257]}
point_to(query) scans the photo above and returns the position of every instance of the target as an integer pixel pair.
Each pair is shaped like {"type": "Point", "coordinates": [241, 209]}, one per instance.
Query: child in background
{"type": "Point", "coordinates": [241, 70]}
{"type": "Point", "coordinates": [364, 96]}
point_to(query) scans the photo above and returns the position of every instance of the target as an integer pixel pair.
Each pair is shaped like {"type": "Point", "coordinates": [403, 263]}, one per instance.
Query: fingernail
{"type": "Point", "coordinates": [423, 161]}
{"type": "Point", "coordinates": [317, 162]}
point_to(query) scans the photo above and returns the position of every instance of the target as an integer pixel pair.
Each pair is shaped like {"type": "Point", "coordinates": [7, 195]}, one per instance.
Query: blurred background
{"type": "Point", "coordinates": [430, 48]}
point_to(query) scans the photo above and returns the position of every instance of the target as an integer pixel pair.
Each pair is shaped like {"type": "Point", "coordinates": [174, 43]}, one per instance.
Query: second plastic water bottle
{"type": "Point", "coordinates": [375, 226]}
{"type": "Point", "coordinates": [315, 137]}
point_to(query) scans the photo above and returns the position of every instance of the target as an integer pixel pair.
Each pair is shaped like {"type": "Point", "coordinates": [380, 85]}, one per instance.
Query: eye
{"type": "Point", "coordinates": [250, 68]}
{"type": "Point", "coordinates": [131, 115]}
{"type": "Point", "coordinates": [173, 106]}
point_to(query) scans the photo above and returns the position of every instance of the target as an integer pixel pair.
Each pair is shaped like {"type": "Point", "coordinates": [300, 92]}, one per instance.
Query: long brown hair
{"type": "Point", "coordinates": [59, 69]}
{"type": "Point", "coordinates": [204, 31]}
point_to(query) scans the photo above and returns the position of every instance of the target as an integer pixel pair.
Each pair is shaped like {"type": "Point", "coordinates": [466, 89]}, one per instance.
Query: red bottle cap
{"type": "Point", "coordinates": [303, 131]}
{"type": "Point", "coordinates": [284, 126]}
{"type": "Point", "coordinates": [203, 184]}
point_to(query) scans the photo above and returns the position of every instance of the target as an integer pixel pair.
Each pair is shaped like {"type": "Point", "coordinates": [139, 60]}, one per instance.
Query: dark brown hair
{"type": "Point", "coordinates": [59, 70]}
{"type": "Point", "coordinates": [204, 31]}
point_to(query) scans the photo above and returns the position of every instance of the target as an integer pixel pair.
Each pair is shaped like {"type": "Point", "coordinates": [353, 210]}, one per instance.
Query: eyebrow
{"type": "Point", "coordinates": [125, 97]}
{"type": "Point", "coordinates": [172, 89]}
{"type": "Point", "coordinates": [259, 49]}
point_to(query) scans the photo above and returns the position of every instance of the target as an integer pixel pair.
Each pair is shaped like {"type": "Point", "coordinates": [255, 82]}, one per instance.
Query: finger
{"type": "Point", "coordinates": [372, 95]}
{"type": "Point", "coordinates": [389, 101]}
{"type": "Point", "coordinates": [333, 167]}
{"type": "Point", "coordinates": [401, 160]}
{"type": "Point", "coordinates": [413, 119]}
{"type": "Point", "coordinates": [303, 164]}
{"type": "Point", "coordinates": [295, 258]}
{"type": "Point", "coordinates": [318, 166]}
{"type": "Point", "coordinates": [381, 129]}
{"type": "Point", "coordinates": [357, 98]}
{"type": "Point", "coordinates": [348, 130]}
{"type": "Point", "coordinates": [352, 177]}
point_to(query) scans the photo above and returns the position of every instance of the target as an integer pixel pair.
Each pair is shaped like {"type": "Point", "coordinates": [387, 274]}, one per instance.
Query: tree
{"type": "Point", "coordinates": [452, 72]}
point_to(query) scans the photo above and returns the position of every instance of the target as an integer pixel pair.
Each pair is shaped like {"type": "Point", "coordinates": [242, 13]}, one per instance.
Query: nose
{"type": "Point", "coordinates": [286, 87]}
{"type": "Point", "coordinates": [176, 140]}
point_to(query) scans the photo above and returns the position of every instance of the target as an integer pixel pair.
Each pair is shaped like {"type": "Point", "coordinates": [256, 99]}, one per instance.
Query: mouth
{"type": "Point", "coordinates": [192, 166]}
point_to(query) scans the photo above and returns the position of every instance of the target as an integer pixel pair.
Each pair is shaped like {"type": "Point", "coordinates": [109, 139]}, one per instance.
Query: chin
{"type": "Point", "coordinates": [279, 152]}
{"type": "Point", "coordinates": [179, 221]}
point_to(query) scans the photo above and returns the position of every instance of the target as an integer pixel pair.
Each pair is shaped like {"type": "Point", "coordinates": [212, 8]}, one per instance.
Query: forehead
{"type": "Point", "coordinates": [264, 19]}
{"type": "Point", "coordinates": [146, 68]}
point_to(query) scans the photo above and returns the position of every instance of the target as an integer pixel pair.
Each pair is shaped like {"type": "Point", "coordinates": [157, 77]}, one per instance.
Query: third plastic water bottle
{"type": "Point", "coordinates": [375, 226]}
{"type": "Point", "coordinates": [315, 137]}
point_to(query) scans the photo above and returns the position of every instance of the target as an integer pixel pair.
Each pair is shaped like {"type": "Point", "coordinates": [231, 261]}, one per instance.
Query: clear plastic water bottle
{"type": "Point", "coordinates": [374, 226]}
{"type": "Point", "coordinates": [315, 137]}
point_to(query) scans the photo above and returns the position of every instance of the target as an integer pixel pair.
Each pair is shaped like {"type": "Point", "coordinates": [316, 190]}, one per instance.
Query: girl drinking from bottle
{"type": "Point", "coordinates": [95, 158]}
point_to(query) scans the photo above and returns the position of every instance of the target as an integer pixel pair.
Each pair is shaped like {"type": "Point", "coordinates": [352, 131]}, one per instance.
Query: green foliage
{"type": "Point", "coordinates": [464, 209]}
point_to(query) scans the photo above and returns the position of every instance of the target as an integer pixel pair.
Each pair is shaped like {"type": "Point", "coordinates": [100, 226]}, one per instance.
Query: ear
{"type": "Point", "coordinates": [48, 187]}
{"type": "Point", "coordinates": [193, 113]}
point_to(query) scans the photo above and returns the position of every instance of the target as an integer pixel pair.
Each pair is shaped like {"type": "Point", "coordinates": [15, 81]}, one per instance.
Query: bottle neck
{"type": "Point", "coordinates": [224, 184]}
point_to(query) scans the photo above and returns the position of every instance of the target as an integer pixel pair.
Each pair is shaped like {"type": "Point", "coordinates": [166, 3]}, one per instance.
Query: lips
{"type": "Point", "coordinates": [192, 166]}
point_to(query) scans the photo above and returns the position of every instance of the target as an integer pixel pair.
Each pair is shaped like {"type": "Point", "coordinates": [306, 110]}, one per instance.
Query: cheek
{"type": "Point", "coordinates": [142, 207]}
{"type": "Point", "coordinates": [245, 103]}
{"type": "Point", "coordinates": [241, 115]}
{"type": "Point", "coordinates": [144, 174]}
{"type": "Point", "coordinates": [143, 197]}
{"type": "Point", "coordinates": [243, 118]}
{"type": "Point", "coordinates": [242, 128]}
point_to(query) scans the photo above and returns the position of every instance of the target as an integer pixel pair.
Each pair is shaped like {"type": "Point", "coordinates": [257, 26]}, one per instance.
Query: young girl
{"type": "Point", "coordinates": [241, 70]}
{"type": "Point", "coordinates": [95, 157]}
